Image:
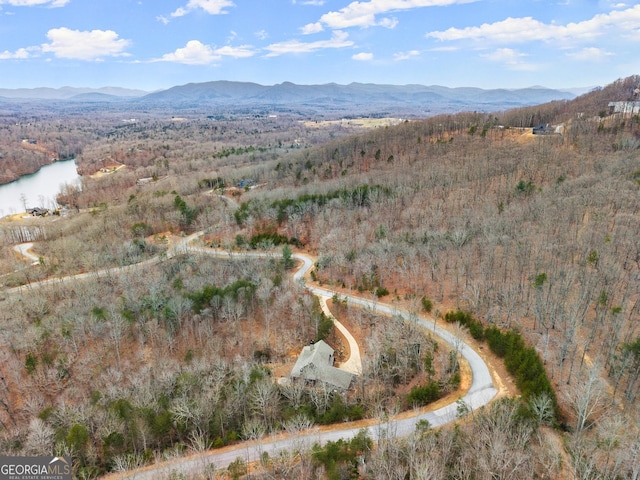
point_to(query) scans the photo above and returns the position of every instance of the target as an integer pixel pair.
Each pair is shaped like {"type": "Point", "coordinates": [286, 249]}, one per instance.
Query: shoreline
{"type": "Point", "coordinates": [39, 188]}
{"type": "Point", "coordinates": [23, 175]}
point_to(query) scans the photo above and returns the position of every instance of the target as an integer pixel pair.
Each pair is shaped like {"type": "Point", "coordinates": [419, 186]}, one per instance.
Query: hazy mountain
{"type": "Point", "coordinates": [577, 91]}
{"type": "Point", "coordinates": [97, 97]}
{"type": "Point", "coordinates": [333, 98]}
{"type": "Point", "coordinates": [359, 96]}
{"type": "Point", "coordinates": [64, 93]}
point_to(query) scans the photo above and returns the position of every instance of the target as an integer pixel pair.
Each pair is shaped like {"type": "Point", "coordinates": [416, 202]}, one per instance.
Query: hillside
{"type": "Point", "coordinates": [459, 216]}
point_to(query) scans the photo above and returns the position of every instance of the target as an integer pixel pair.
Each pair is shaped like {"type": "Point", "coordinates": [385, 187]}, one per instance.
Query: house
{"type": "Point", "coordinates": [144, 181]}
{"type": "Point", "coordinates": [315, 364]}
{"type": "Point", "coordinates": [38, 212]}
{"type": "Point", "coordinates": [625, 108]}
{"type": "Point", "coordinates": [542, 129]}
{"type": "Point", "coordinates": [246, 183]}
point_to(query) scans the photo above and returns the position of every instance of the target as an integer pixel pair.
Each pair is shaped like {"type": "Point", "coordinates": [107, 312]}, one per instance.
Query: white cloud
{"type": "Point", "coordinates": [400, 56]}
{"type": "Point", "coordinates": [388, 22]}
{"type": "Point", "coordinates": [85, 45]}
{"type": "Point", "coordinates": [590, 54]}
{"type": "Point", "coordinates": [505, 55]}
{"type": "Point", "coordinates": [212, 7]}
{"type": "Point", "coordinates": [527, 29]}
{"type": "Point", "coordinates": [613, 4]}
{"type": "Point", "coordinates": [262, 34]}
{"type": "Point", "coordinates": [242, 51]}
{"type": "Point", "coordinates": [197, 53]}
{"type": "Point", "coordinates": [449, 48]}
{"type": "Point", "coordinates": [33, 3]}
{"type": "Point", "coordinates": [310, 28]}
{"type": "Point", "coordinates": [511, 58]}
{"type": "Point", "coordinates": [363, 57]}
{"type": "Point", "coordinates": [505, 31]}
{"type": "Point", "coordinates": [19, 54]}
{"type": "Point", "coordinates": [339, 39]}
{"type": "Point", "coordinates": [363, 14]}
{"type": "Point", "coordinates": [193, 53]}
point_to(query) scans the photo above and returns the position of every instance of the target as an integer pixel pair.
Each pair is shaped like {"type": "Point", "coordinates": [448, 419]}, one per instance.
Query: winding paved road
{"type": "Point", "coordinates": [481, 391]}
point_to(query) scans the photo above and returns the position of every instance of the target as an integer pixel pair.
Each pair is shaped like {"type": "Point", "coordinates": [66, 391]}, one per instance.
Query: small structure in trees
{"type": "Point", "coordinates": [547, 129]}
{"type": "Point", "coordinates": [543, 129]}
{"type": "Point", "coordinates": [624, 108]}
{"type": "Point", "coordinates": [315, 363]}
{"type": "Point", "coordinates": [246, 183]}
{"type": "Point", "coordinates": [38, 212]}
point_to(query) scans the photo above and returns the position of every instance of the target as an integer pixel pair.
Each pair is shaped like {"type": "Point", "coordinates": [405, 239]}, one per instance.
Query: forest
{"type": "Point", "coordinates": [526, 246]}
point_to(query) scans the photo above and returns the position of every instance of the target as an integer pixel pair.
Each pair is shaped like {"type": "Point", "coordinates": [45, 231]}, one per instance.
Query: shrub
{"type": "Point", "coordinates": [381, 292]}
{"type": "Point", "coordinates": [325, 327]}
{"type": "Point", "coordinates": [525, 188]}
{"type": "Point", "coordinates": [336, 457]}
{"type": "Point", "coordinates": [465, 319]}
{"type": "Point", "coordinates": [522, 362]}
{"type": "Point", "coordinates": [31, 363]}
{"type": "Point", "coordinates": [237, 469]}
{"type": "Point", "coordinates": [425, 394]}
{"type": "Point", "coordinates": [427, 304]}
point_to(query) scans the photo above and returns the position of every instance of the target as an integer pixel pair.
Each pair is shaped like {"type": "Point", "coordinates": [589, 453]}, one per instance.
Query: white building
{"type": "Point", "coordinates": [625, 108]}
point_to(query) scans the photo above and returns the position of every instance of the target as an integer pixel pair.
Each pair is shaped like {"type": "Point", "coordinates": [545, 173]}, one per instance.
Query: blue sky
{"type": "Point", "coordinates": [155, 44]}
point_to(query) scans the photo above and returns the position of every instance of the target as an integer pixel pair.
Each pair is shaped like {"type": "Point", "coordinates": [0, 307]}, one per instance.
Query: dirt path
{"type": "Point", "coordinates": [24, 249]}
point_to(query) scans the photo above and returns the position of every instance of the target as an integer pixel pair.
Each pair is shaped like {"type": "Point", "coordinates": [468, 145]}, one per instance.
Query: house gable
{"type": "Point", "coordinates": [315, 363]}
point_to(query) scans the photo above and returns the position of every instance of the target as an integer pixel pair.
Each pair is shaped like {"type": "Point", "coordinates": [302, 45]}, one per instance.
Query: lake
{"type": "Point", "coordinates": [38, 189]}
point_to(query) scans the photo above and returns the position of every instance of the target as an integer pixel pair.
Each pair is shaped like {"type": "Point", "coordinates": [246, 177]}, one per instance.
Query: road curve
{"type": "Point", "coordinates": [481, 392]}
{"type": "Point", "coordinates": [24, 249]}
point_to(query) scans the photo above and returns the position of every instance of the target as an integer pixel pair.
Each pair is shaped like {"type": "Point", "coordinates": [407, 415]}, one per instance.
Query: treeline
{"type": "Point", "coordinates": [359, 196]}
{"type": "Point", "coordinates": [522, 361]}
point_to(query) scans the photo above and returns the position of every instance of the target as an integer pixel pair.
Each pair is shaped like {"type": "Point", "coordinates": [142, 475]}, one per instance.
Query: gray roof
{"type": "Point", "coordinates": [316, 363]}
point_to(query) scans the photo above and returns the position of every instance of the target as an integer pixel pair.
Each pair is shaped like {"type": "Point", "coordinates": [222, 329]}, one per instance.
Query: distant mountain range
{"type": "Point", "coordinates": [357, 97]}
{"type": "Point", "coordinates": [417, 98]}
{"type": "Point", "coordinates": [69, 93]}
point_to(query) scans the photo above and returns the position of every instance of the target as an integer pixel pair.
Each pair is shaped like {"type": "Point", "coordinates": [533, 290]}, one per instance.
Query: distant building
{"type": "Point", "coordinates": [625, 108]}
{"type": "Point", "coordinates": [144, 181]}
{"type": "Point", "coordinates": [546, 129]}
{"type": "Point", "coordinates": [315, 364]}
{"type": "Point", "coordinates": [246, 183]}
{"type": "Point", "coordinates": [38, 212]}
{"type": "Point", "coordinates": [543, 129]}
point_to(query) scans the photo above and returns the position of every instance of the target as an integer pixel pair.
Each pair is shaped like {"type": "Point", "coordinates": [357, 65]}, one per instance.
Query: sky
{"type": "Point", "coordinates": [156, 44]}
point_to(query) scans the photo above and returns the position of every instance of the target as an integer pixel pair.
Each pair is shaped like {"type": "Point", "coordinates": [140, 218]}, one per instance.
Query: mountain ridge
{"type": "Point", "coordinates": [413, 98]}
{"type": "Point", "coordinates": [67, 93]}
{"type": "Point", "coordinates": [337, 99]}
